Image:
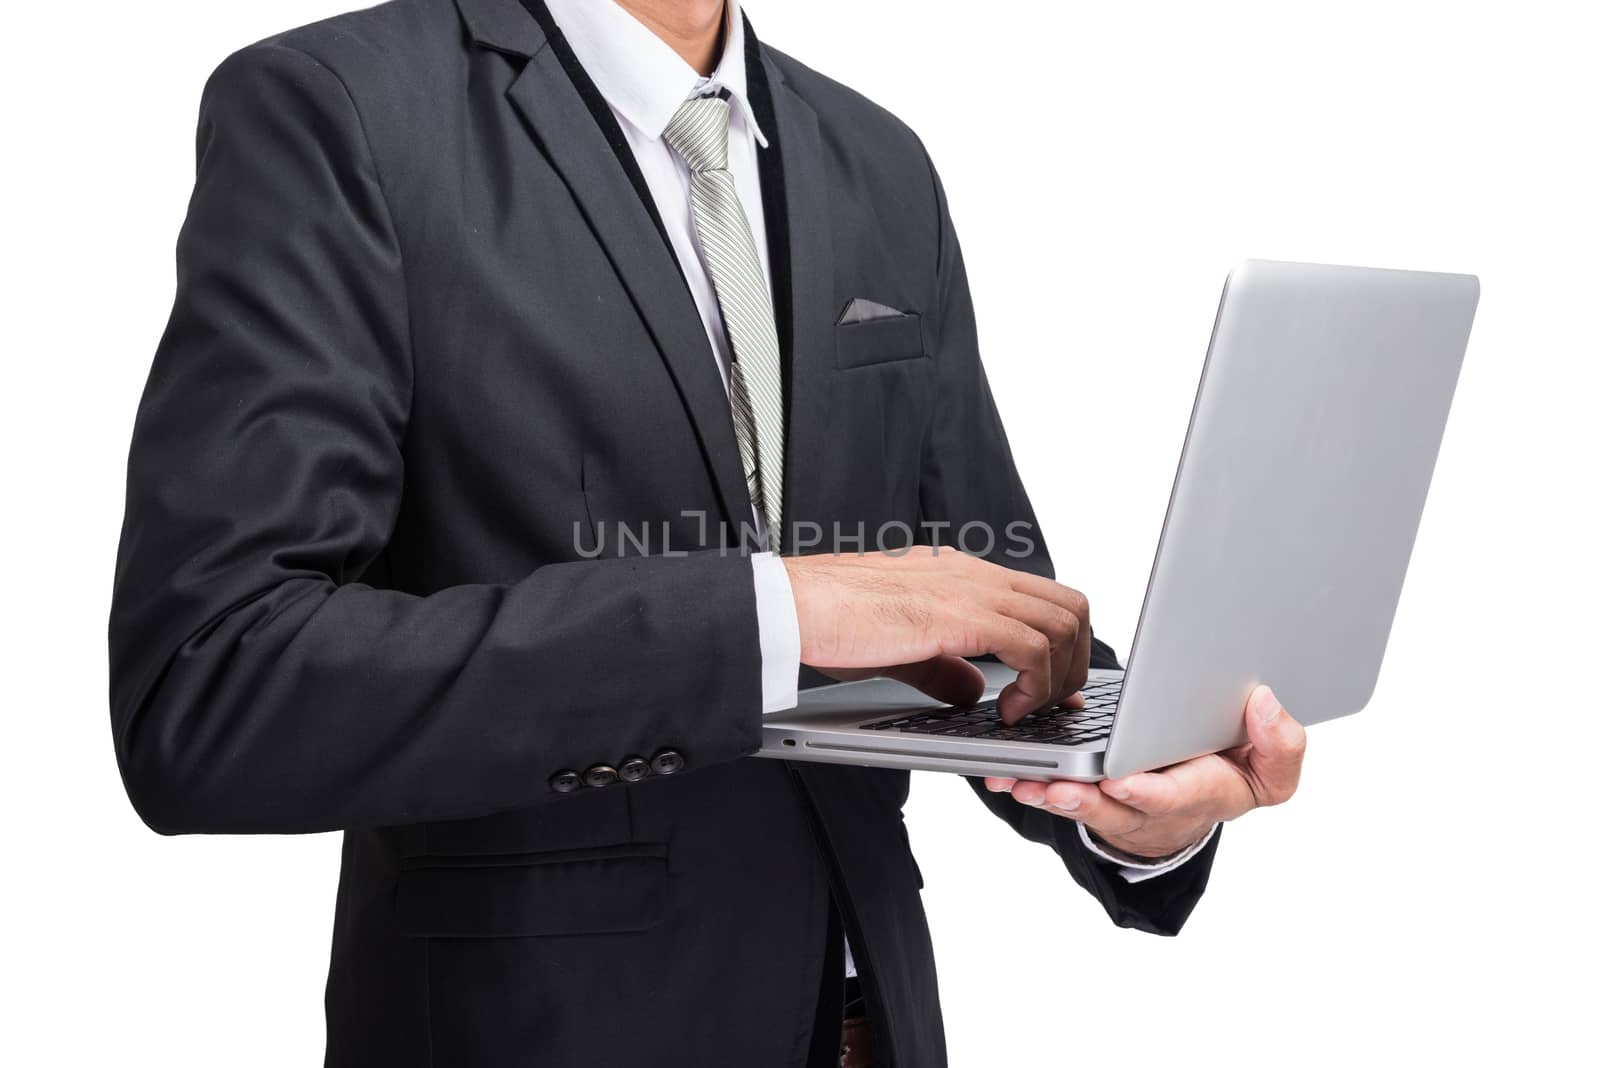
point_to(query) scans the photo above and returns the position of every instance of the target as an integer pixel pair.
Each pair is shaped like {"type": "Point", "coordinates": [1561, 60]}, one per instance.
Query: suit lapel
{"type": "Point", "coordinates": [807, 278]}
{"type": "Point", "coordinates": [545, 97]}
{"type": "Point", "coordinates": [573, 135]}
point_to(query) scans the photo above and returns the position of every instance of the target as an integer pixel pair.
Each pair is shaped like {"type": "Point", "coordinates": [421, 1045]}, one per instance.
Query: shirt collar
{"type": "Point", "coordinates": [641, 77]}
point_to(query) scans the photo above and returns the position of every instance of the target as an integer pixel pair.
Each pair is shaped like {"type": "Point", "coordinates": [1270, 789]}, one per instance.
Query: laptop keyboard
{"type": "Point", "coordinates": [1048, 726]}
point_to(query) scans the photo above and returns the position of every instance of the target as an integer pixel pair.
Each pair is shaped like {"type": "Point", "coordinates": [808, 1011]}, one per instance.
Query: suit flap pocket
{"type": "Point", "coordinates": [882, 340]}
{"type": "Point", "coordinates": [611, 889]}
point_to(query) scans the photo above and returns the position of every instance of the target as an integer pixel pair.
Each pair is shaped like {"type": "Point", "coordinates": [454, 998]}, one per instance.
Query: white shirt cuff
{"type": "Point", "coordinates": [779, 625]}
{"type": "Point", "coordinates": [1135, 871]}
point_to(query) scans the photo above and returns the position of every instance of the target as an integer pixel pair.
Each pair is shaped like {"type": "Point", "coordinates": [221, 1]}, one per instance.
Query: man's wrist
{"type": "Point", "coordinates": [1135, 868]}
{"type": "Point", "coordinates": [1124, 856]}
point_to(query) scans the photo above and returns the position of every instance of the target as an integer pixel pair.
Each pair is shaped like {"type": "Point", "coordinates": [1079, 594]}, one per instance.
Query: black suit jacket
{"type": "Point", "coordinates": [427, 344]}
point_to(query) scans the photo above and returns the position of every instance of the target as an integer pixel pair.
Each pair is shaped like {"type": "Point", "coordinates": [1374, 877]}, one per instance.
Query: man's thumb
{"type": "Point", "coordinates": [1277, 746]}
{"type": "Point", "coordinates": [943, 678]}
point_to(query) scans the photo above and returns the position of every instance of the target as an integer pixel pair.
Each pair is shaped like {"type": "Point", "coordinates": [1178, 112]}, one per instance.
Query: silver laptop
{"type": "Point", "coordinates": [1297, 499]}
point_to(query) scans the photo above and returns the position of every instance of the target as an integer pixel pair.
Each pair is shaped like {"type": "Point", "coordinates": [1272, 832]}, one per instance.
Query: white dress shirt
{"type": "Point", "coordinates": [643, 82]}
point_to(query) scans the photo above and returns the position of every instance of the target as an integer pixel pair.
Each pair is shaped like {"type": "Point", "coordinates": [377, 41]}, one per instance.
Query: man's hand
{"type": "Point", "coordinates": [1159, 813]}
{"type": "Point", "coordinates": [913, 616]}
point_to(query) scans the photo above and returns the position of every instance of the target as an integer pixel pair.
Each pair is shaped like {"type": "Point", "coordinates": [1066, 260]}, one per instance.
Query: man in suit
{"type": "Point", "coordinates": [517, 348]}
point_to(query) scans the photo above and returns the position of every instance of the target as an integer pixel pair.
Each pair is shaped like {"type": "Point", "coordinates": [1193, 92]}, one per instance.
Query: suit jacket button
{"type": "Point", "coordinates": [633, 769]}
{"type": "Point", "coordinates": [600, 775]}
{"type": "Point", "coordinates": [565, 781]}
{"type": "Point", "coordinates": [667, 761]}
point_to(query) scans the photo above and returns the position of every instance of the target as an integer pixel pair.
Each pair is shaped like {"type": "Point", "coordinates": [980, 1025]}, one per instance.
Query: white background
{"type": "Point", "coordinates": [1432, 890]}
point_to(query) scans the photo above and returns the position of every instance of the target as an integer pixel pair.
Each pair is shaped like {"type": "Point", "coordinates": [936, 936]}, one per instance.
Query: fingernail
{"type": "Point", "coordinates": [1267, 706]}
{"type": "Point", "coordinates": [1119, 791]}
{"type": "Point", "coordinates": [1071, 804]}
{"type": "Point", "coordinates": [1031, 799]}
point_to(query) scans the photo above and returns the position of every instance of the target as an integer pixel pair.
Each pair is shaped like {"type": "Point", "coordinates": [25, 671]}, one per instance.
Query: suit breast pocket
{"type": "Point", "coordinates": [888, 339]}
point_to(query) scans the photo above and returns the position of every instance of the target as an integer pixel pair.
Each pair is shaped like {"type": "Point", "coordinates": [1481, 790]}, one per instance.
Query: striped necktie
{"type": "Point", "coordinates": [699, 134]}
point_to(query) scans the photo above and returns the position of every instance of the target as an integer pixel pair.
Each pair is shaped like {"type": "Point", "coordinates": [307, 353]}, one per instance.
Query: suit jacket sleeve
{"type": "Point", "coordinates": [969, 477]}
{"type": "Point", "coordinates": [257, 684]}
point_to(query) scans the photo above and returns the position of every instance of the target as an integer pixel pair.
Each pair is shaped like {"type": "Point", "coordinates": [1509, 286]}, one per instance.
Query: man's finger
{"type": "Point", "coordinates": [1027, 652]}
{"type": "Point", "coordinates": [1151, 792]}
{"type": "Point", "coordinates": [1277, 747]}
{"type": "Point", "coordinates": [1083, 802]}
{"type": "Point", "coordinates": [1078, 672]}
{"type": "Point", "coordinates": [1055, 623]}
{"type": "Point", "coordinates": [943, 678]}
{"type": "Point", "coordinates": [1028, 791]}
{"type": "Point", "coordinates": [1209, 786]}
{"type": "Point", "coordinates": [1049, 590]}
{"type": "Point", "coordinates": [1072, 601]}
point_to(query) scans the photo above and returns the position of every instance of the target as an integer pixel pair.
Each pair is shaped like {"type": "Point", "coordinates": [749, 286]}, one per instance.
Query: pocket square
{"type": "Point", "coordinates": [861, 310]}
